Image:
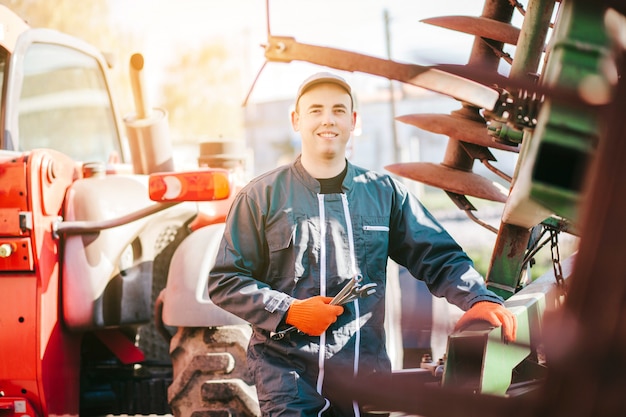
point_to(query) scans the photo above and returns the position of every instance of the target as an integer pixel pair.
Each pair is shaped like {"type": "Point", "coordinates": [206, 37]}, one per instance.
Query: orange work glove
{"type": "Point", "coordinates": [493, 313]}
{"type": "Point", "coordinates": [313, 315]}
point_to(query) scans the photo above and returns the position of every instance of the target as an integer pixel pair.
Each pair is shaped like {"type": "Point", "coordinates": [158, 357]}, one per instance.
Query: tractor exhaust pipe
{"type": "Point", "coordinates": [147, 129]}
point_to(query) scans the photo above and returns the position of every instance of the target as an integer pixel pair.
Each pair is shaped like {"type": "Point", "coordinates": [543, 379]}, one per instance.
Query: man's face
{"type": "Point", "coordinates": [325, 120]}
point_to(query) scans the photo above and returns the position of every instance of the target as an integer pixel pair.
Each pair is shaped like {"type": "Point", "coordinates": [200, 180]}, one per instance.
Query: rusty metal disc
{"type": "Point", "coordinates": [456, 127]}
{"type": "Point", "coordinates": [452, 180]}
{"type": "Point", "coordinates": [478, 26]}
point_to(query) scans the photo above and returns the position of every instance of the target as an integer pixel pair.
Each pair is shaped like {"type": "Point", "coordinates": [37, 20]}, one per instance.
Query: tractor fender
{"type": "Point", "coordinates": [107, 274]}
{"type": "Point", "coordinates": [186, 301]}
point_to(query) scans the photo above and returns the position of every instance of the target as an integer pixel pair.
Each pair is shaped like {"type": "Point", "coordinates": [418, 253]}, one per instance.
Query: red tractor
{"type": "Point", "coordinates": [84, 248]}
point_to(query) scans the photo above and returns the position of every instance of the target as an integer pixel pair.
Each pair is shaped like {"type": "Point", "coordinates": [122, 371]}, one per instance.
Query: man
{"type": "Point", "coordinates": [296, 235]}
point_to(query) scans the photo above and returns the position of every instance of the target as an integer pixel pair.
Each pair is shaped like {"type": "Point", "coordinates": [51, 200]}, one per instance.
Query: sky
{"type": "Point", "coordinates": [355, 25]}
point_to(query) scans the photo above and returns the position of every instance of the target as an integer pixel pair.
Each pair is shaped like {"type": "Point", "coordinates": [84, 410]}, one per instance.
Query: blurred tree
{"type": "Point", "coordinates": [200, 88]}
{"type": "Point", "coordinates": [201, 91]}
{"type": "Point", "coordinates": [90, 20]}
{"type": "Point", "coordinates": [82, 19]}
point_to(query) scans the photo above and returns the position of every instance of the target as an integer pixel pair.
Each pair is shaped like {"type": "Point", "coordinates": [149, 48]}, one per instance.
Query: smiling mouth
{"type": "Point", "coordinates": [327, 135]}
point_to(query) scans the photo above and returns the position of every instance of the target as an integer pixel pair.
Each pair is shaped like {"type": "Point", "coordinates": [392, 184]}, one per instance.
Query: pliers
{"type": "Point", "coordinates": [353, 290]}
{"type": "Point", "coordinates": [350, 292]}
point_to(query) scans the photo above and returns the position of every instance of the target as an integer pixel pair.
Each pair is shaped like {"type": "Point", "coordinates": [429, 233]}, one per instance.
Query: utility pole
{"type": "Point", "coordinates": [392, 99]}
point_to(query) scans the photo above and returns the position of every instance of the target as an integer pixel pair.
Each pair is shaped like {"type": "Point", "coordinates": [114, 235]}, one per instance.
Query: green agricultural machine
{"type": "Point", "coordinates": [560, 108]}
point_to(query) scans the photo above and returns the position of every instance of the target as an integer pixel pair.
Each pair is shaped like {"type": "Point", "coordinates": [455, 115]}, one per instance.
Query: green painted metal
{"type": "Point", "coordinates": [506, 266]}
{"type": "Point", "coordinates": [557, 152]}
{"type": "Point", "coordinates": [479, 361]}
{"type": "Point", "coordinates": [568, 134]}
{"type": "Point", "coordinates": [561, 163]}
{"type": "Point", "coordinates": [507, 260]}
{"type": "Point", "coordinates": [532, 38]}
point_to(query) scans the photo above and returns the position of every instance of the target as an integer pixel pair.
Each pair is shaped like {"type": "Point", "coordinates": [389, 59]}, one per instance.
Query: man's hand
{"type": "Point", "coordinates": [493, 313]}
{"type": "Point", "coordinates": [313, 315]}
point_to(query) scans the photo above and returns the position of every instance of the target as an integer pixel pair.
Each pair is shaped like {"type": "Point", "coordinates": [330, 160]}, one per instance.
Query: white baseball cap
{"type": "Point", "coordinates": [320, 78]}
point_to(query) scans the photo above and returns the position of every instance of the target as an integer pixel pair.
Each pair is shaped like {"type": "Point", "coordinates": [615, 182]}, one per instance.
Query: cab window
{"type": "Point", "coordinates": [64, 105]}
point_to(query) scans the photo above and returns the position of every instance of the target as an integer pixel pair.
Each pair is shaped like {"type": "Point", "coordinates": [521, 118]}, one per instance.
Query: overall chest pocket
{"type": "Point", "coordinates": [375, 233]}
{"type": "Point", "coordinates": [279, 234]}
{"type": "Point", "coordinates": [291, 242]}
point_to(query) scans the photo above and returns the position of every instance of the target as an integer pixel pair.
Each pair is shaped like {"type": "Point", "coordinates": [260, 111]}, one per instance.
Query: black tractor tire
{"type": "Point", "coordinates": [154, 346]}
{"type": "Point", "coordinates": [210, 376]}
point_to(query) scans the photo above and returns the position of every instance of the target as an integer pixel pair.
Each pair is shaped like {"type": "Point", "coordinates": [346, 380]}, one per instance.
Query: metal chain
{"type": "Point", "coordinates": [556, 257]}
